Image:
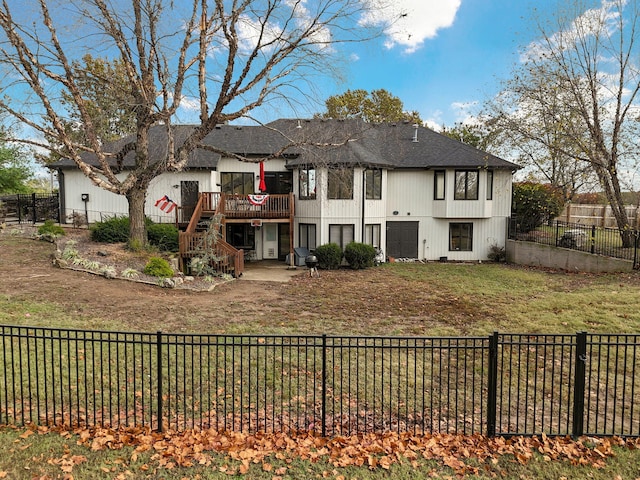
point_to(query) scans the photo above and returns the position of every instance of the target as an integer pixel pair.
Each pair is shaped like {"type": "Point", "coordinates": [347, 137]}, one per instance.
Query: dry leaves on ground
{"type": "Point", "coordinates": [462, 453]}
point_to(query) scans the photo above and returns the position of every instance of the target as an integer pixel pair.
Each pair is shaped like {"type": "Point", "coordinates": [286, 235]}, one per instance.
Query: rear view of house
{"type": "Point", "coordinates": [403, 188]}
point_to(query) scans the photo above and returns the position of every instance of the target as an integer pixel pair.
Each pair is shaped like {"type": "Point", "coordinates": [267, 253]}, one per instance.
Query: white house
{"type": "Point", "coordinates": [406, 189]}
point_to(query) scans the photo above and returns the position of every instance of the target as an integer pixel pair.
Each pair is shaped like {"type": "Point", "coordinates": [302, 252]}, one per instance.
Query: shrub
{"type": "Point", "coordinates": [113, 230]}
{"type": "Point", "coordinates": [497, 254]}
{"type": "Point", "coordinates": [359, 255]}
{"type": "Point", "coordinates": [50, 230]}
{"type": "Point", "coordinates": [158, 267]}
{"type": "Point", "coordinates": [535, 204]}
{"type": "Point", "coordinates": [329, 256]}
{"type": "Point", "coordinates": [164, 236]}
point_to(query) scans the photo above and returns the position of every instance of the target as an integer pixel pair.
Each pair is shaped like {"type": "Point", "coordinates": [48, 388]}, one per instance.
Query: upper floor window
{"type": "Point", "coordinates": [373, 184]}
{"type": "Point", "coordinates": [340, 184]}
{"type": "Point", "coordinates": [438, 184]}
{"type": "Point", "coordinates": [239, 183]}
{"type": "Point", "coordinates": [307, 183]}
{"type": "Point", "coordinates": [466, 185]}
{"type": "Point", "coordinates": [489, 184]}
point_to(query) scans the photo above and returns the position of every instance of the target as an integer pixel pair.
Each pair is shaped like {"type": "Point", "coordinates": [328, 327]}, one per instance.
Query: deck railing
{"type": "Point", "coordinates": [248, 206]}
{"type": "Point", "coordinates": [229, 260]}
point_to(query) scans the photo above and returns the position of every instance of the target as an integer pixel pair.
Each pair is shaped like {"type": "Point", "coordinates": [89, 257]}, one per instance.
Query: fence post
{"type": "Point", "coordinates": [159, 374]}
{"type": "Point", "coordinates": [35, 210]}
{"type": "Point", "coordinates": [593, 239]}
{"type": "Point", "coordinates": [579, 384]}
{"type": "Point", "coordinates": [492, 385]}
{"type": "Point", "coordinates": [323, 413]}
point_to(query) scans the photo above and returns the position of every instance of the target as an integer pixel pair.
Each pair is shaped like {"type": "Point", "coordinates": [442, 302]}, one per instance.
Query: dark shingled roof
{"type": "Point", "coordinates": [318, 141]}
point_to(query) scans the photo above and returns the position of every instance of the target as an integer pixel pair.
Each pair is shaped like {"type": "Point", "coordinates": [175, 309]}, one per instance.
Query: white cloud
{"type": "Point", "coordinates": [465, 112]}
{"type": "Point", "coordinates": [594, 21]}
{"type": "Point", "coordinates": [411, 22]}
{"type": "Point", "coordinates": [190, 103]}
{"type": "Point", "coordinates": [434, 122]}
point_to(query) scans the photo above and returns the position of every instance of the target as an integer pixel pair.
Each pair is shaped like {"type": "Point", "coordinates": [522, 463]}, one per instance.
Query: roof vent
{"type": "Point", "coordinates": [415, 133]}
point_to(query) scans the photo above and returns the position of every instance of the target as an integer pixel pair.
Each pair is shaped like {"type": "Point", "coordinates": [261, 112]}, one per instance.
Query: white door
{"type": "Point", "coordinates": [270, 241]}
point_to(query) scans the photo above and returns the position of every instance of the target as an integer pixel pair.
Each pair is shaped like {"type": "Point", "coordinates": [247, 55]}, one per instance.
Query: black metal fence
{"type": "Point", "coordinates": [502, 384]}
{"type": "Point", "coordinates": [31, 207]}
{"type": "Point", "coordinates": [577, 236]}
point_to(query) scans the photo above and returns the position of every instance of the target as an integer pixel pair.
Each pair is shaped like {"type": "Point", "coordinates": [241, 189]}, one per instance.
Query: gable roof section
{"type": "Point", "coordinates": [319, 142]}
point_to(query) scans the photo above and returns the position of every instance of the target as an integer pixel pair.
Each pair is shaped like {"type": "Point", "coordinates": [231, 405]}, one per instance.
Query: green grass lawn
{"type": "Point", "coordinates": [395, 299]}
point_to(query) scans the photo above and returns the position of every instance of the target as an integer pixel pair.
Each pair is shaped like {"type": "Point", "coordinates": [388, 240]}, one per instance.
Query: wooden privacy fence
{"type": "Point", "coordinates": [501, 384]}
{"type": "Point", "coordinates": [598, 215]}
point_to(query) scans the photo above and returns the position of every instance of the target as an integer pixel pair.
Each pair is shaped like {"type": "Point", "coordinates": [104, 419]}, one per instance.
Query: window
{"type": "Point", "coordinates": [308, 236]}
{"type": "Point", "coordinates": [466, 185]}
{"type": "Point", "coordinates": [438, 184]}
{"type": "Point", "coordinates": [341, 234]}
{"type": "Point", "coordinates": [341, 184]}
{"type": "Point", "coordinates": [241, 236]}
{"type": "Point", "coordinates": [239, 183]}
{"type": "Point", "coordinates": [372, 234]}
{"type": "Point", "coordinates": [461, 237]}
{"type": "Point", "coordinates": [307, 184]}
{"type": "Point", "coordinates": [489, 184]}
{"type": "Point", "coordinates": [373, 184]}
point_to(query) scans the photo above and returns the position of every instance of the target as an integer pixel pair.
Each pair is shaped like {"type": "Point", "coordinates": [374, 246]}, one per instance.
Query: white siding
{"type": "Point", "coordinates": [102, 203]}
{"type": "Point", "coordinates": [409, 194]}
{"type": "Point", "coordinates": [410, 198]}
{"type": "Point", "coordinates": [434, 238]}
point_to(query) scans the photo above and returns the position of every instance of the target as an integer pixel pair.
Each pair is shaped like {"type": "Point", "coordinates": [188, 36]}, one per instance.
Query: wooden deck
{"type": "Point", "coordinates": [232, 208]}
{"type": "Point", "coordinates": [248, 206]}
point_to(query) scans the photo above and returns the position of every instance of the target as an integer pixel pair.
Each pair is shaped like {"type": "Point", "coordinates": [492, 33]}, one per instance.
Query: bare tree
{"type": "Point", "coordinates": [529, 122]}
{"type": "Point", "coordinates": [576, 92]}
{"type": "Point", "coordinates": [228, 57]}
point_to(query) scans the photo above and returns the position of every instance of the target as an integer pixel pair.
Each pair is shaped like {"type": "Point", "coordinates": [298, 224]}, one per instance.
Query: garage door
{"type": "Point", "coordinates": [402, 239]}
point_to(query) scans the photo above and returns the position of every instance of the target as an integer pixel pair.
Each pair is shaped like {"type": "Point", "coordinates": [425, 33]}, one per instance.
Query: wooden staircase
{"type": "Point", "coordinates": [276, 208]}
{"type": "Point", "coordinates": [192, 242]}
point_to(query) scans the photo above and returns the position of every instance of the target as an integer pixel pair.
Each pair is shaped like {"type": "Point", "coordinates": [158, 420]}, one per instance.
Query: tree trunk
{"type": "Point", "coordinates": [137, 228]}
{"type": "Point", "coordinates": [611, 187]}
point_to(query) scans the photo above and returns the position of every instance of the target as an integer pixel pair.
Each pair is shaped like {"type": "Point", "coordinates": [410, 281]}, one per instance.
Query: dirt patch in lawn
{"type": "Point", "coordinates": [376, 301]}
{"type": "Point", "coordinates": [368, 301]}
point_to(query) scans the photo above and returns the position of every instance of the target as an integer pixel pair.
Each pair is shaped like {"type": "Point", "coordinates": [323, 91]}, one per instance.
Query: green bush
{"type": "Point", "coordinates": [113, 230]}
{"type": "Point", "coordinates": [497, 254]}
{"type": "Point", "coordinates": [158, 267]}
{"type": "Point", "coordinates": [329, 256]}
{"type": "Point", "coordinates": [535, 204]}
{"type": "Point", "coordinates": [51, 230]}
{"type": "Point", "coordinates": [164, 236]}
{"type": "Point", "coordinates": [359, 255]}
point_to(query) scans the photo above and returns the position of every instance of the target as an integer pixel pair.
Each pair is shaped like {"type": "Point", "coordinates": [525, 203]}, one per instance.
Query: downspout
{"type": "Point", "coordinates": [364, 196]}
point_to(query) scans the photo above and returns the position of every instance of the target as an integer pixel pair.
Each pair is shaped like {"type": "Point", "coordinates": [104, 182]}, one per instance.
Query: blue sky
{"type": "Point", "coordinates": [446, 56]}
